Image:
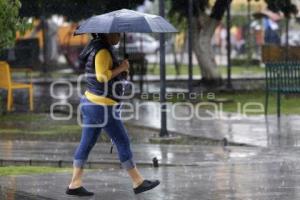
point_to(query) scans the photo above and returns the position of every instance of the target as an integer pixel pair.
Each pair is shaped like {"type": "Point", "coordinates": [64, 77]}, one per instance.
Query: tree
{"type": "Point", "coordinates": [287, 8]}
{"type": "Point", "coordinates": [284, 6]}
{"type": "Point", "coordinates": [73, 10]}
{"type": "Point", "coordinates": [205, 20]}
{"type": "Point", "coordinates": [10, 22]}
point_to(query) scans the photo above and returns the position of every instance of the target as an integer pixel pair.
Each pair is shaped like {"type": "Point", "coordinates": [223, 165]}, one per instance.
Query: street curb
{"type": "Point", "coordinates": [89, 164]}
{"type": "Point", "coordinates": [228, 143]}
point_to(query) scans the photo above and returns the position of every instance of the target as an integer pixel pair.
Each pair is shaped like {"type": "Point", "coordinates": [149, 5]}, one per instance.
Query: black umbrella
{"type": "Point", "coordinates": [125, 21]}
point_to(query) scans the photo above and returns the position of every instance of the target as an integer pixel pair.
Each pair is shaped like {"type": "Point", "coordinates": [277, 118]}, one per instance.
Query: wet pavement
{"type": "Point", "coordinates": [267, 168]}
{"type": "Point", "coordinates": [200, 172]}
{"type": "Point", "coordinates": [168, 155]}
{"type": "Point", "coordinates": [218, 182]}
{"type": "Point", "coordinates": [253, 130]}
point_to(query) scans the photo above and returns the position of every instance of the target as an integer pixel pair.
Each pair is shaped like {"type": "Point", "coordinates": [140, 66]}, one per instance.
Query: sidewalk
{"type": "Point", "coordinates": [220, 182]}
{"type": "Point", "coordinates": [217, 173]}
{"type": "Point", "coordinates": [249, 130]}
{"type": "Point", "coordinates": [168, 155]}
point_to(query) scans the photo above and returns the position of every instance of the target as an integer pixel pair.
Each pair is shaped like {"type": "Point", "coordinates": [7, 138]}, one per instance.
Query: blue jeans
{"type": "Point", "coordinates": [94, 118]}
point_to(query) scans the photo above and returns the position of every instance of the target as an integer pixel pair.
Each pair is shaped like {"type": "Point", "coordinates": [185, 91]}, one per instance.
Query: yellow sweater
{"type": "Point", "coordinates": [103, 67]}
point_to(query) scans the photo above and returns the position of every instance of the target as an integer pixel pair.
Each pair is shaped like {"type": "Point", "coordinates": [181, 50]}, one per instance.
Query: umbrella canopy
{"type": "Point", "coordinates": [125, 21]}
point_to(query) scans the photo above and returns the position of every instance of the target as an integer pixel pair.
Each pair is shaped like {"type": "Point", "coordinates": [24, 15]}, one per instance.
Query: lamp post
{"type": "Point", "coordinates": [287, 23]}
{"type": "Point", "coordinates": [190, 45]}
{"type": "Point", "coordinates": [163, 130]}
{"type": "Point", "coordinates": [249, 49]}
{"type": "Point", "coordinates": [228, 20]}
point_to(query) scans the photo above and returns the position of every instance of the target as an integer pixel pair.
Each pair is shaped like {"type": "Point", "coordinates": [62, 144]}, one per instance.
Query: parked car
{"type": "Point", "coordinates": [140, 42]}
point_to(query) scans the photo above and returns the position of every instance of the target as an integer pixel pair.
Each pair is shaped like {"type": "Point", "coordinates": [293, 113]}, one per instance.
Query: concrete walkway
{"type": "Point", "coordinates": [236, 128]}
{"type": "Point", "coordinates": [218, 182]}
{"type": "Point", "coordinates": [266, 169]}
{"type": "Point", "coordinates": [199, 172]}
{"type": "Point", "coordinates": [168, 155]}
{"type": "Point", "coordinates": [249, 130]}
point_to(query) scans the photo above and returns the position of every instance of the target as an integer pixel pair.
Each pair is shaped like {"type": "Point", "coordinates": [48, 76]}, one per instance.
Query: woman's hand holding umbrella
{"type": "Point", "coordinates": [125, 64]}
{"type": "Point", "coordinates": [122, 68]}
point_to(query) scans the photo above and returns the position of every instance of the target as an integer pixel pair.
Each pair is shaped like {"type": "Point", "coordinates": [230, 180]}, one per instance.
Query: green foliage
{"type": "Point", "coordinates": [284, 6]}
{"type": "Point", "coordinates": [10, 22]}
{"type": "Point", "coordinates": [179, 8]}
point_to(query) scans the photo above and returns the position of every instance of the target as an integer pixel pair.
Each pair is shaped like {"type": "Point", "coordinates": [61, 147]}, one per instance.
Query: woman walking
{"type": "Point", "coordinates": [100, 109]}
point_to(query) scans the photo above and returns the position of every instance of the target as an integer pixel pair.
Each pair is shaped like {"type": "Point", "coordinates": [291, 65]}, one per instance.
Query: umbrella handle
{"type": "Point", "coordinates": [126, 56]}
{"type": "Point", "coordinates": [125, 74]}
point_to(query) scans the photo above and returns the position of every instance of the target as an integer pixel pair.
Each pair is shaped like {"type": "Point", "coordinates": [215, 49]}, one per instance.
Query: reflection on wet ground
{"type": "Point", "coordinates": [168, 155]}
{"type": "Point", "coordinates": [250, 130]}
{"type": "Point", "coordinates": [12, 194]}
{"type": "Point", "coordinates": [268, 171]}
{"type": "Point", "coordinates": [263, 181]}
{"type": "Point", "coordinates": [186, 172]}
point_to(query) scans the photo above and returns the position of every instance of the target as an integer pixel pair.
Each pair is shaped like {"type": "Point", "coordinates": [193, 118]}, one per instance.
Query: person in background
{"type": "Point", "coordinates": [271, 31]}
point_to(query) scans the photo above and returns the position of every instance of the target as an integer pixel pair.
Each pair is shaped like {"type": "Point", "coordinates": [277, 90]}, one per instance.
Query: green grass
{"type": "Point", "coordinates": [239, 70]}
{"type": "Point", "coordinates": [289, 104]}
{"type": "Point", "coordinates": [153, 69]}
{"type": "Point", "coordinates": [240, 101]}
{"type": "Point", "coordinates": [39, 74]}
{"type": "Point", "coordinates": [36, 124]}
{"type": "Point", "coordinates": [170, 70]}
{"type": "Point", "coordinates": [27, 170]}
{"type": "Point", "coordinates": [26, 125]}
{"type": "Point", "coordinates": [24, 117]}
{"type": "Point", "coordinates": [42, 129]}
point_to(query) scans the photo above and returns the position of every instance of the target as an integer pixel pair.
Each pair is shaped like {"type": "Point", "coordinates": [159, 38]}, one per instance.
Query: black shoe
{"type": "Point", "coordinates": [81, 191]}
{"type": "Point", "coordinates": [145, 186]}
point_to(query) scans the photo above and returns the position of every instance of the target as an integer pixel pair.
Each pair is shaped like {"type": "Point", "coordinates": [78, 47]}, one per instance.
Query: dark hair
{"type": "Point", "coordinates": [95, 35]}
{"type": "Point", "coordinates": [98, 35]}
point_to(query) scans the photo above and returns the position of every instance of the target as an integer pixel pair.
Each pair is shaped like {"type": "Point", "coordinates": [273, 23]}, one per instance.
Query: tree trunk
{"type": "Point", "coordinates": [203, 49]}
{"type": "Point", "coordinates": [204, 26]}
{"type": "Point", "coordinates": [173, 49]}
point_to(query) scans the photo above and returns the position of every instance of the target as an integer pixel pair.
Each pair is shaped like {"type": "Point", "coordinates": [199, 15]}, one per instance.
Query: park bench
{"type": "Point", "coordinates": [281, 78]}
{"type": "Point", "coordinates": [25, 54]}
{"type": "Point", "coordinates": [138, 66]}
